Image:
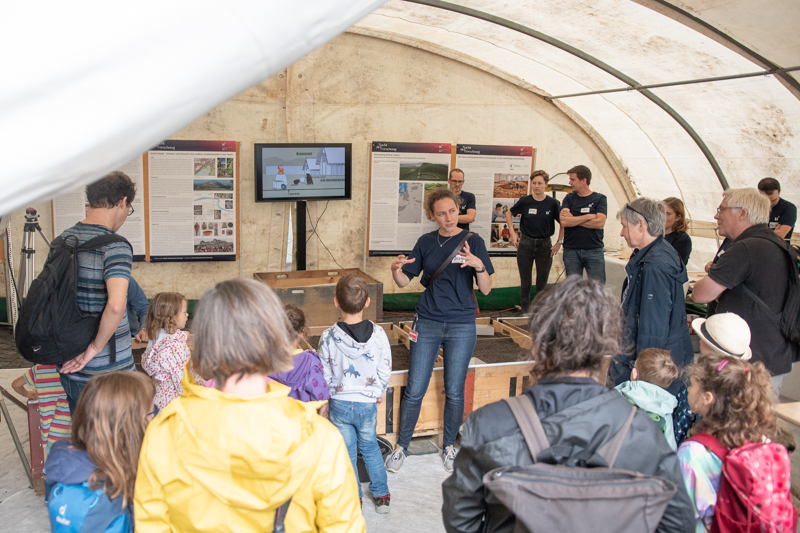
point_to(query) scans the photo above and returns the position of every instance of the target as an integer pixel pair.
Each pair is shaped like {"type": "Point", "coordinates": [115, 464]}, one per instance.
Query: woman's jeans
{"type": "Point", "coordinates": [357, 422]}
{"type": "Point", "coordinates": [458, 343]}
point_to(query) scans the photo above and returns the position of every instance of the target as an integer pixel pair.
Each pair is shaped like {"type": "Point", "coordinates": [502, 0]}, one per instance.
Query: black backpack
{"type": "Point", "coordinates": [788, 320]}
{"type": "Point", "coordinates": [51, 328]}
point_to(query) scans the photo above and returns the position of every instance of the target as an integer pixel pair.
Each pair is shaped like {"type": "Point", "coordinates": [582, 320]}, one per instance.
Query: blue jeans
{"type": "Point", "coordinates": [458, 343]}
{"type": "Point", "coordinates": [593, 261]}
{"type": "Point", "coordinates": [73, 390]}
{"type": "Point", "coordinates": [357, 422]}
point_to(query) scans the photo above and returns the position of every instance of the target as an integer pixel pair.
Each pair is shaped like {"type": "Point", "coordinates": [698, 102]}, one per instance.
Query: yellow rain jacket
{"type": "Point", "coordinates": [211, 461]}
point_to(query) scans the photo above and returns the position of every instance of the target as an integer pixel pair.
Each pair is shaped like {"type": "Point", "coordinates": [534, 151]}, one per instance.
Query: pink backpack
{"type": "Point", "coordinates": [754, 489]}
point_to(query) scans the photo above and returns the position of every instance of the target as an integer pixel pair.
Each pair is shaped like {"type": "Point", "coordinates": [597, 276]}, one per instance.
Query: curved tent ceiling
{"type": "Point", "coordinates": [748, 127]}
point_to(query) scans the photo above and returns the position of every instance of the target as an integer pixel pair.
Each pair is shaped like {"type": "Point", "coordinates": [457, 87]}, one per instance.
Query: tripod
{"type": "Point", "coordinates": [27, 263]}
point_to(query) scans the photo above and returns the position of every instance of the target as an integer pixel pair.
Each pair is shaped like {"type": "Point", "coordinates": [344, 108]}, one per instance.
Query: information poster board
{"type": "Point", "coordinates": [69, 209]}
{"type": "Point", "coordinates": [194, 201]}
{"type": "Point", "coordinates": [401, 176]}
{"type": "Point", "coordinates": [498, 176]}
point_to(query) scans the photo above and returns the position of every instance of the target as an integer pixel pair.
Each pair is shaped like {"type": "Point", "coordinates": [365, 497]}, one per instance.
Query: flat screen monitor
{"type": "Point", "coordinates": [307, 171]}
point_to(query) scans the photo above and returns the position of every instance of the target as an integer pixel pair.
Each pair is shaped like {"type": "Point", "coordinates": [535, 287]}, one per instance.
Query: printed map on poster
{"type": "Point", "coordinates": [193, 195]}
{"type": "Point", "coordinates": [402, 176]}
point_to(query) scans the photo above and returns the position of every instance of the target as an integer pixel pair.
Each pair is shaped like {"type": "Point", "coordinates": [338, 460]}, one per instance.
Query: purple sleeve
{"type": "Point", "coordinates": [315, 386]}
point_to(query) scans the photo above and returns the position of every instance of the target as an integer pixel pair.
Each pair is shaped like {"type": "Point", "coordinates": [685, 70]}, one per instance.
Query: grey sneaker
{"type": "Point", "coordinates": [395, 461]}
{"type": "Point", "coordinates": [449, 457]}
{"type": "Point", "coordinates": [382, 504]}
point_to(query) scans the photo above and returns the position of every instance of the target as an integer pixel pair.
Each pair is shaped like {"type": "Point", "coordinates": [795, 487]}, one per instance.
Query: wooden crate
{"type": "Point", "coordinates": [313, 292]}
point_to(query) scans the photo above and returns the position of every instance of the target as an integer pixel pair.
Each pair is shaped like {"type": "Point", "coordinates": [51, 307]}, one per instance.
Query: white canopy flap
{"type": "Point", "coordinates": [87, 86]}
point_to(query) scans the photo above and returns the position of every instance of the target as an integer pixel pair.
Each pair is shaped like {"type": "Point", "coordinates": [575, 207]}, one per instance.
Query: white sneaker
{"type": "Point", "coordinates": [395, 461]}
{"type": "Point", "coordinates": [449, 457]}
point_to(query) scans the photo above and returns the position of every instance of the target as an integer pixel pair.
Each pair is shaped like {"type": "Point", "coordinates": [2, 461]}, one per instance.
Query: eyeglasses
{"type": "Point", "coordinates": [628, 206]}
{"type": "Point", "coordinates": [721, 209]}
{"type": "Point", "coordinates": [456, 182]}
{"type": "Point", "coordinates": [130, 209]}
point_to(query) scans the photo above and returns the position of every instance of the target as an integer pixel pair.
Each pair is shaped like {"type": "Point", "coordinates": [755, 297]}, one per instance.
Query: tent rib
{"type": "Point", "coordinates": [530, 32]}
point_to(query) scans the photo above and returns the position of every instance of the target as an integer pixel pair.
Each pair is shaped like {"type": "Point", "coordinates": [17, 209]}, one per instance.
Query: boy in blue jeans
{"type": "Point", "coordinates": [357, 363]}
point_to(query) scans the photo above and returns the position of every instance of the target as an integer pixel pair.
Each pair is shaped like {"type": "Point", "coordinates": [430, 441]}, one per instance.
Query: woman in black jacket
{"type": "Point", "coordinates": [573, 324]}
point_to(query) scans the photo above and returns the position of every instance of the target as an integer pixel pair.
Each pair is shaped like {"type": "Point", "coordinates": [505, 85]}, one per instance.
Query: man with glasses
{"type": "Point", "coordinates": [653, 305]}
{"type": "Point", "coordinates": [466, 212]}
{"type": "Point", "coordinates": [103, 276]}
{"type": "Point", "coordinates": [752, 275]}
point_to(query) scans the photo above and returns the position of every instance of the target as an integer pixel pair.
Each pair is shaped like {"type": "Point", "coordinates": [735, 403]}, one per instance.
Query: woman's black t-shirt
{"type": "Point", "coordinates": [682, 242]}
{"type": "Point", "coordinates": [537, 219]}
{"type": "Point", "coordinates": [450, 298]}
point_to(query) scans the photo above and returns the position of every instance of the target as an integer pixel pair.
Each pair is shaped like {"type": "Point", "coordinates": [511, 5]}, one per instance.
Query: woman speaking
{"type": "Point", "coordinates": [449, 259]}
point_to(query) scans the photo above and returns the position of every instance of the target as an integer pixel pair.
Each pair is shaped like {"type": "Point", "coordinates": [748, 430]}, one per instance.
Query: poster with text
{"type": "Point", "coordinates": [498, 176]}
{"type": "Point", "coordinates": [193, 200]}
{"type": "Point", "coordinates": [402, 175]}
{"type": "Point", "coordinates": [71, 208]}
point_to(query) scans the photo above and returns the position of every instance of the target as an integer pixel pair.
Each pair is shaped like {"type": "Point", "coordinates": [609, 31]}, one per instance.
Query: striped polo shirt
{"type": "Point", "coordinates": [94, 269]}
{"type": "Point", "coordinates": [55, 422]}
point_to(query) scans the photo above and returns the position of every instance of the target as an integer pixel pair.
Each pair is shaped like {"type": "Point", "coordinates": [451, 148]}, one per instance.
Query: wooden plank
{"type": "Point", "coordinates": [36, 448]}
{"type": "Point", "coordinates": [518, 335]}
{"type": "Point", "coordinates": [789, 412]}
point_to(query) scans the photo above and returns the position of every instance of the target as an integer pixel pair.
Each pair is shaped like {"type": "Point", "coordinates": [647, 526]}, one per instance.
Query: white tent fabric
{"type": "Point", "coordinates": [89, 85]}
{"type": "Point", "coordinates": [750, 125]}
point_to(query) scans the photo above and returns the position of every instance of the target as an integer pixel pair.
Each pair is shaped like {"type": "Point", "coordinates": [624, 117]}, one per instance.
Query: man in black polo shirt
{"type": "Point", "coordinates": [538, 216]}
{"type": "Point", "coordinates": [583, 215]}
{"type": "Point", "coordinates": [751, 265]}
{"type": "Point", "coordinates": [466, 212]}
{"type": "Point", "coordinates": [782, 214]}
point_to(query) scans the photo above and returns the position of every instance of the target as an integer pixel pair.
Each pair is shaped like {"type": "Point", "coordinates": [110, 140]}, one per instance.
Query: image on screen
{"type": "Point", "coordinates": [302, 172]}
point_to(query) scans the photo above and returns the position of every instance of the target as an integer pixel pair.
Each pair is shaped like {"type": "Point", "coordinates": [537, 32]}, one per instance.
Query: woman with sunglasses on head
{"type": "Point", "coordinates": [653, 304]}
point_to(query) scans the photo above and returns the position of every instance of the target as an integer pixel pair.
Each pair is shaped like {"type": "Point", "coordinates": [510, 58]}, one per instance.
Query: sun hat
{"type": "Point", "coordinates": [726, 334]}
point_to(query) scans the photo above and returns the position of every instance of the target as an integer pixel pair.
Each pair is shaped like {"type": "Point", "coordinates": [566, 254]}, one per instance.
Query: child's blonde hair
{"type": "Point", "coordinates": [109, 423]}
{"type": "Point", "coordinates": [742, 408]}
{"type": "Point", "coordinates": [656, 366]}
{"type": "Point", "coordinates": [164, 308]}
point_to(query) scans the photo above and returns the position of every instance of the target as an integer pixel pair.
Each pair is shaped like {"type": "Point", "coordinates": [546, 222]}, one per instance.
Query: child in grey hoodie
{"type": "Point", "coordinates": [357, 364]}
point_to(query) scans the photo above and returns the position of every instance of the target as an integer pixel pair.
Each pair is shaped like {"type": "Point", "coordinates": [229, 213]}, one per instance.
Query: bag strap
{"type": "Point", "coordinates": [103, 513]}
{"type": "Point", "coordinates": [610, 450]}
{"type": "Point", "coordinates": [103, 240]}
{"type": "Point", "coordinates": [712, 444]}
{"type": "Point", "coordinates": [449, 258]}
{"type": "Point", "coordinates": [280, 516]}
{"type": "Point", "coordinates": [529, 424]}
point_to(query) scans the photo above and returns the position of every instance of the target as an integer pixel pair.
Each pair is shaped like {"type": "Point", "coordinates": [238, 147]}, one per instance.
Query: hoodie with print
{"type": "Point", "coordinates": [658, 403]}
{"type": "Point", "coordinates": [356, 371]}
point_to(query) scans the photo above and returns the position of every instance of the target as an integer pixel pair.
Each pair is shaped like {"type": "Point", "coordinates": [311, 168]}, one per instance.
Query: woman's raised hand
{"type": "Point", "coordinates": [469, 259]}
{"type": "Point", "coordinates": [401, 260]}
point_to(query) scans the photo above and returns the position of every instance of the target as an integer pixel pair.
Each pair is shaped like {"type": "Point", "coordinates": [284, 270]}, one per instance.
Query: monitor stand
{"type": "Point", "coordinates": [300, 237]}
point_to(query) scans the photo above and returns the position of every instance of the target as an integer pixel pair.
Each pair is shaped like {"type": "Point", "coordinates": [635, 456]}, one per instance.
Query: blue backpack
{"type": "Point", "coordinates": [76, 509]}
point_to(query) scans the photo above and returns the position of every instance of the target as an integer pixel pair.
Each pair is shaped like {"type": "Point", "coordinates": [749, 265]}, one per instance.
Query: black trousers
{"type": "Point", "coordinates": [532, 251]}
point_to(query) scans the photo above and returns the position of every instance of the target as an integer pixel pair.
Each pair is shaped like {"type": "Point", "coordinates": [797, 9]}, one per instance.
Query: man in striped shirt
{"type": "Point", "coordinates": [103, 276]}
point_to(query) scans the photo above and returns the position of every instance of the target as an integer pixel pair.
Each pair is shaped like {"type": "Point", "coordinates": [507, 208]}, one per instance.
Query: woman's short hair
{"type": "Point", "coordinates": [680, 225]}
{"type": "Point", "coordinates": [545, 176]}
{"type": "Point", "coordinates": [109, 423]}
{"type": "Point", "coordinates": [653, 212]}
{"type": "Point", "coordinates": [440, 193]}
{"type": "Point", "coordinates": [755, 203]}
{"type": "Point", "coordinates": [575, 326]}
{"type": "Point", "coordinates": [241, 329]}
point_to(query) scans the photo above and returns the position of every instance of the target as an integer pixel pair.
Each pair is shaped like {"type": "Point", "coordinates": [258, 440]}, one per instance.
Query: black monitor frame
{"type": "Point", "coordinates": [259, 172]}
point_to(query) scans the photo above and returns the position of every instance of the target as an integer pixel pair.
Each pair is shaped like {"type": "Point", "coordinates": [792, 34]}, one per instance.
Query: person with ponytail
{"type": "Point", "coordinates": [732, 398]}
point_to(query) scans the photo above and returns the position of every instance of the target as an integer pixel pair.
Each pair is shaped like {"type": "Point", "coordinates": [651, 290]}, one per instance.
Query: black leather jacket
{"type": "Point", "coordinates": [592, 414]}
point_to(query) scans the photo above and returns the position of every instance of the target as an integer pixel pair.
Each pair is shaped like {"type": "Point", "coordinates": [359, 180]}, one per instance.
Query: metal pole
{"type": "Point", "coordinates": [676, 83]}
{"type": "Point", "coordinates": [17, 443]}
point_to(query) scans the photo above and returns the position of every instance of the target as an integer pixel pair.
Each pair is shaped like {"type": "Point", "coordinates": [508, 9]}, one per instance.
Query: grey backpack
{"type": "Point", "coordinates": [547, 498]}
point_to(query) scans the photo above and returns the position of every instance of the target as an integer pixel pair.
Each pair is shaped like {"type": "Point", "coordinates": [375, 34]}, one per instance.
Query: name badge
{"type": "Point", "coordinates": [531, 211]}
{"type": "Point", "coordinates": [773, 225]}
{"type": "Point", "coordinates": [459, 259]}
{"type": "Point", "coordinates": [412, 336]}
{"type": "Point", "coordinates": [584, 209]}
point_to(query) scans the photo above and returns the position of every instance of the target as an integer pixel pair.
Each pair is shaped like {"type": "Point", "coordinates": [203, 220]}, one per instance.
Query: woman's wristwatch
{"type": "Point", "coordinates": [479, 270]}
{"type": "Point", "coordinates": [561, 241]}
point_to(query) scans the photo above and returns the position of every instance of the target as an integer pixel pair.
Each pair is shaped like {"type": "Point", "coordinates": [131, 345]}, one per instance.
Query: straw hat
{"type": "Point", "coordinates": [726, 334]}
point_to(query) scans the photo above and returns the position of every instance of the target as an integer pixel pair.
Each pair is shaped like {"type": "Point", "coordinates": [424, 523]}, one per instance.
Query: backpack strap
{"type": "Point", "coordinates": [449, 258]}
{"type": "Point", "coordinates": [529, 424]}
{"type": "Point", "coordinates": [711, 443]}
{"type": "Point", "coordinates": [610, 449]}
{"type": "Point", "coordinates": [103, 513]}
{"type": "Point", "coordinates": [280, 516]}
